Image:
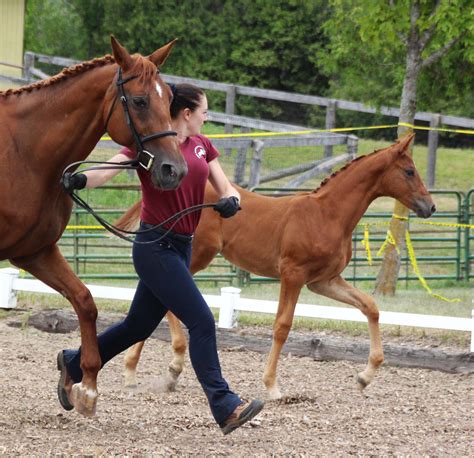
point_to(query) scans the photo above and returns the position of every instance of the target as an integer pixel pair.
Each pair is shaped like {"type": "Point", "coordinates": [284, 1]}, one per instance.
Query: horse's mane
{"type": "Point", "coordinates": [141, 66]}
{"type": "Point", "coordinates": [342, 169]}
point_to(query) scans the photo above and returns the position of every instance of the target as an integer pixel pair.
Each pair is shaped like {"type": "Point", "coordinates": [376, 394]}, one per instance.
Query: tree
{"type": "Point", "coordinates": [381, 48]}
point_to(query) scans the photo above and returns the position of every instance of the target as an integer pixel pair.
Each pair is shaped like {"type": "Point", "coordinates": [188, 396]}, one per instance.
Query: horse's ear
{"type": "Point", "coordinates": [160, 55]}
{"type": "Point", "coordinates": [121, 55]}
{"type": "Point", "coordinates": [403, 143]}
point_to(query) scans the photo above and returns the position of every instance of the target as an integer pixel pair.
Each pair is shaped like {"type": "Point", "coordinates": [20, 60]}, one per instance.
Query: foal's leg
{"type": "Point", "coordinates": [131, 358]}
{"type": "Point", "coordinates": [50, 267]}
{"type": "Point", "coordinates": [340, 290]}
{"type": "Point", "coordinates": [289, 292]}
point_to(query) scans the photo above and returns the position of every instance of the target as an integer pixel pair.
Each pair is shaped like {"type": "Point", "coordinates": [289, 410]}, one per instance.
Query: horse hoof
{"type": "Point", "coordinates": [130, 381]}
{"type": "Point", "coordinates": [163, 385]}
{"type": "Point", "coordinates": [84, 399]}
{"type": "Point", "coordinates": [274, 394]}
{"type": "Point", "coordinates": [361, 382]}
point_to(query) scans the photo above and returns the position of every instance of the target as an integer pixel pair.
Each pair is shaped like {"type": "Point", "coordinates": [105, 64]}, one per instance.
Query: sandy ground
{"type": "Point", "coordinates": [405, 412]}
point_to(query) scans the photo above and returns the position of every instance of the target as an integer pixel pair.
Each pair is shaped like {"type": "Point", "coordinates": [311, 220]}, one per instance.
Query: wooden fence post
{"type": "Point", "coordinates": [240, 161]}
{"type": "Point", "coordinates": [330, 123]}
{"type": "Point", "coordinates": [28, 64]}
{"type": "Point", "coordinates": [352, 146]}
{"type": "Point", "coordinates": [256, 163]}
{"type": "Point", "coordinates": [229, 110]}
{"type": "Point", "coordinates": [432, 146]}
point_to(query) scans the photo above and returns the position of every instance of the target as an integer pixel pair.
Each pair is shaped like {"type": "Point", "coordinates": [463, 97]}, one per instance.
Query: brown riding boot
{"type": "Point", "coordinates": [242, 414]}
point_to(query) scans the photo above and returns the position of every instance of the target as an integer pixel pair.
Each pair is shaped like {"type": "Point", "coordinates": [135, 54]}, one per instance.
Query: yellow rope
{"type": "Point", "coordinates": [334, 130]}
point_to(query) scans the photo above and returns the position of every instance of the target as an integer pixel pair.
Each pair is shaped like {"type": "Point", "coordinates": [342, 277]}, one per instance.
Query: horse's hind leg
{"type": "Point", "coordinates": [340, 290]}
{"type": "Point", "coordinates": [131, 358]}
{"type": "Point", "coordinates": [50, 267]}
{"type": "Point", "coordinates": [179, 344]}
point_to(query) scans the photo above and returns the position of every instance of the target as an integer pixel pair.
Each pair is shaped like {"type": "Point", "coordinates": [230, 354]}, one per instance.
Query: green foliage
{"type": "Point", "coordinates": [365, 59]}
{"type": "Point", "coordinates": [53, 27]}
{"type": "Point", "coordinates": [343, 48]}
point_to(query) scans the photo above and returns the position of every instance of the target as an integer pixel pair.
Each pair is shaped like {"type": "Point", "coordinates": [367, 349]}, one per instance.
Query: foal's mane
{"type": "Point", "coordinates": [143, 67]}
{"type": "Point", "coordinates": [344, 168]}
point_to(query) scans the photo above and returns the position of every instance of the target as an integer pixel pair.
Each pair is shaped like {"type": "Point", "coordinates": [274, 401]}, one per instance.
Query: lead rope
{"type": "Point", "coordinates": [116, 230]}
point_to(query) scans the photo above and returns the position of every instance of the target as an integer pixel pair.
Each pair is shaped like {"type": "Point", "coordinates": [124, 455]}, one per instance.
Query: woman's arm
{"type": "Point", "coordinates": [220, 182]}
{"type": "Point", "coordinates": [99, 177]}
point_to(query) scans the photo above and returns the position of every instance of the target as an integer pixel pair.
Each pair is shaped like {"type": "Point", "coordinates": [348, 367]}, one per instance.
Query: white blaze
{"type": "Point", "coordinates": [159, 90]}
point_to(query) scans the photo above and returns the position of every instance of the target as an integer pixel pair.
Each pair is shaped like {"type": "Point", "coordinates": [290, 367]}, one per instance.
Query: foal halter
{"type": "Point", "coordinates": [144, 158]}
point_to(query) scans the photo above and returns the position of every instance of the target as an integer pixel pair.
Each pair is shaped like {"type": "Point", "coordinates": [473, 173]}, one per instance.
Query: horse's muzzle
{"type": "Point", "coordinates": [168, 176]}
{"type": "Point", "coordinates": [424, 208]}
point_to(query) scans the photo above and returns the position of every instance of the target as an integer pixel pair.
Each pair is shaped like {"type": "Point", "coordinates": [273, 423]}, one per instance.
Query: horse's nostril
{"type": "Point", "coordinates": [433, 209]}
{"type": "Point", "coordinates": [168, 170]}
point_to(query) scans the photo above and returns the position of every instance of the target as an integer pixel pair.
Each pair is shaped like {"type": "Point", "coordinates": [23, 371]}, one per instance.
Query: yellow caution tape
{"type": "Point", "coordinates": [334, 130]}
{"type": "Point", "coordinates": [366, 244]}
{"type": "Point", "coordinates": [414, 264]}
{"type": "Point", "coordinates": [438, 129]}
{"type": "Point", "coordinates": [84, 228]}
{"type": "Point", "coordinates": [431, 223]}
{"type": "Point", "coordinates": [390, 239]}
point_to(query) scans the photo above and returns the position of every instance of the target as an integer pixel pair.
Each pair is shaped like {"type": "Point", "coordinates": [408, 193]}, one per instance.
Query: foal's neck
{"type": "Point", "coordinates": [348, 194]}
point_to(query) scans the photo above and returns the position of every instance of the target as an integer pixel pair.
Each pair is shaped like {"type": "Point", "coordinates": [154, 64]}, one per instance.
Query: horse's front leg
{"type": "Point", "coordinates": [289, 293]}
{"type": "Point", "coordinates": [50, 267]}
{"type": "Point", "coordinates": [131, 358]}
{"type": "Point", "coordinates": [340, 290]}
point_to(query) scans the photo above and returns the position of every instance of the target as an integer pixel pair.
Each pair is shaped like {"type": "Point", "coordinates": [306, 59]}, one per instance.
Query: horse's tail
{"type": "Point", "coordinates": [130, 220]}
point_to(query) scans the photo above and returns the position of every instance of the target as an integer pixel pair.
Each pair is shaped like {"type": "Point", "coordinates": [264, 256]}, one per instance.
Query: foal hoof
{"type": "Point", "coordinates": [165, 384]}
{"type": "Point", "coordinates": [84, 399]}
{"type": "Point", "coordinates": [129, 379]}
{"type": "Point", "coordinates": [361, 382]}
{"type": "Point", "coordinates": [274, 393]}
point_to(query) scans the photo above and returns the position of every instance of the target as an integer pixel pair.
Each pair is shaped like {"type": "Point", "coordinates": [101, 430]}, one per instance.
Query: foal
{"type": "Point", "coordinates": [303, 239]}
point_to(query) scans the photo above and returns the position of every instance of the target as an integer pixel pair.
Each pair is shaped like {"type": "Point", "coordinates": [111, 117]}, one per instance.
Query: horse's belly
{"type": "Point", "coordinates": [253, 262]}
{"type": "Point", "coordinates": [25, 234]}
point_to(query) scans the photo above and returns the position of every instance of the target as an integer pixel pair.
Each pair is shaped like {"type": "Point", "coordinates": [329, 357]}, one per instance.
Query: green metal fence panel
{"type": "Point", "coordinates": [442, 252]}
{"type": "Point", "coordinates": [469, 235]}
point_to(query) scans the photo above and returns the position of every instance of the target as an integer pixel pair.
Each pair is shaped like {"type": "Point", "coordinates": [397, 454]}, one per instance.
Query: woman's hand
{"type": "Point", "coordinates": [71, 181]}
{"type": "Point", "coordinates": [227, 206]}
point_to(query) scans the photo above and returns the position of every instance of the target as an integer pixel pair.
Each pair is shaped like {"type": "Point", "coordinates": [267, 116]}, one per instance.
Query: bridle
{"type": "Point", "coordinates": [143, 159]}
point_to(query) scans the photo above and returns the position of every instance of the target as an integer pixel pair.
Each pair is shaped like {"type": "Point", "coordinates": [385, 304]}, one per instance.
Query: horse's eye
{"type": "Point", "coordinates": [410, 172]}
{"type": "Point", "coordinates": [140, 102]}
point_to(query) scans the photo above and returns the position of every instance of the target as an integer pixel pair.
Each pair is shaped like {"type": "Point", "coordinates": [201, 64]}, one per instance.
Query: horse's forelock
{"type": "Point", "coordinates": [143, 68]}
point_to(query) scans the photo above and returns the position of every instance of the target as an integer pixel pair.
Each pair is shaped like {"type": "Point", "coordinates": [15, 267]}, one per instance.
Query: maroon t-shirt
{"type": "Point", "coordinates": [158, 205]}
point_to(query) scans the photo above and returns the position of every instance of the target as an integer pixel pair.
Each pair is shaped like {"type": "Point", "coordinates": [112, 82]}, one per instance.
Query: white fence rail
{"type": "Point", "coordinates": [230, 302]}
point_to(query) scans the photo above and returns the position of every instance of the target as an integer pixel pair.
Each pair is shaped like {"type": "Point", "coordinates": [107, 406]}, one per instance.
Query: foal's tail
{"type": "Point", "coordinates": [130, 220]}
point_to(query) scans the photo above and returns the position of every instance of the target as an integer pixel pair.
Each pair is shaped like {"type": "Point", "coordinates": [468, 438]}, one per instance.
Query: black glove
{"type": "Point", "coordinates": [227, 206]}
{"type": "Point", "coordinates": [70, 181]}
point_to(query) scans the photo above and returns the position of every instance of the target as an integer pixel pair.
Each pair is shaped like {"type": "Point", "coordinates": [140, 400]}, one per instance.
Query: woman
{"type": "Point", "coordinates": [165, 282]}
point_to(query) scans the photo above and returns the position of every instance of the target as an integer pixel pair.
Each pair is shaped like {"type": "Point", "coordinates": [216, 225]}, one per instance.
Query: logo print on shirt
{"type": "Point", "coordinates": [200, 152]}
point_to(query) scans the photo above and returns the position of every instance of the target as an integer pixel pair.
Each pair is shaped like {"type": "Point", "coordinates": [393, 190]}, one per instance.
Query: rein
{"type": "Point", "coordinates": [144, 159]}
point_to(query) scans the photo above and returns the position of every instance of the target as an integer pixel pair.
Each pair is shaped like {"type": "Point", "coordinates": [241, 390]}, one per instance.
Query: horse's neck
{"type": "Point", "coordinates": [352, 191]}
{"type": "Point", "coordinates": [62, 123]}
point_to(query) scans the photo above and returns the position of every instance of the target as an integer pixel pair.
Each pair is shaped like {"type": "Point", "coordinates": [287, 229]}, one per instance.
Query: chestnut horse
{"type": "Point", "coordinates": [303, 239]}
{"type": "Point", "coordinates": [46, 126]}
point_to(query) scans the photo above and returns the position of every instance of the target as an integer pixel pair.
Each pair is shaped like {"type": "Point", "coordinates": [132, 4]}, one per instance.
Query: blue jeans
{"type": "Point", "coordinates": [166, 284]}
